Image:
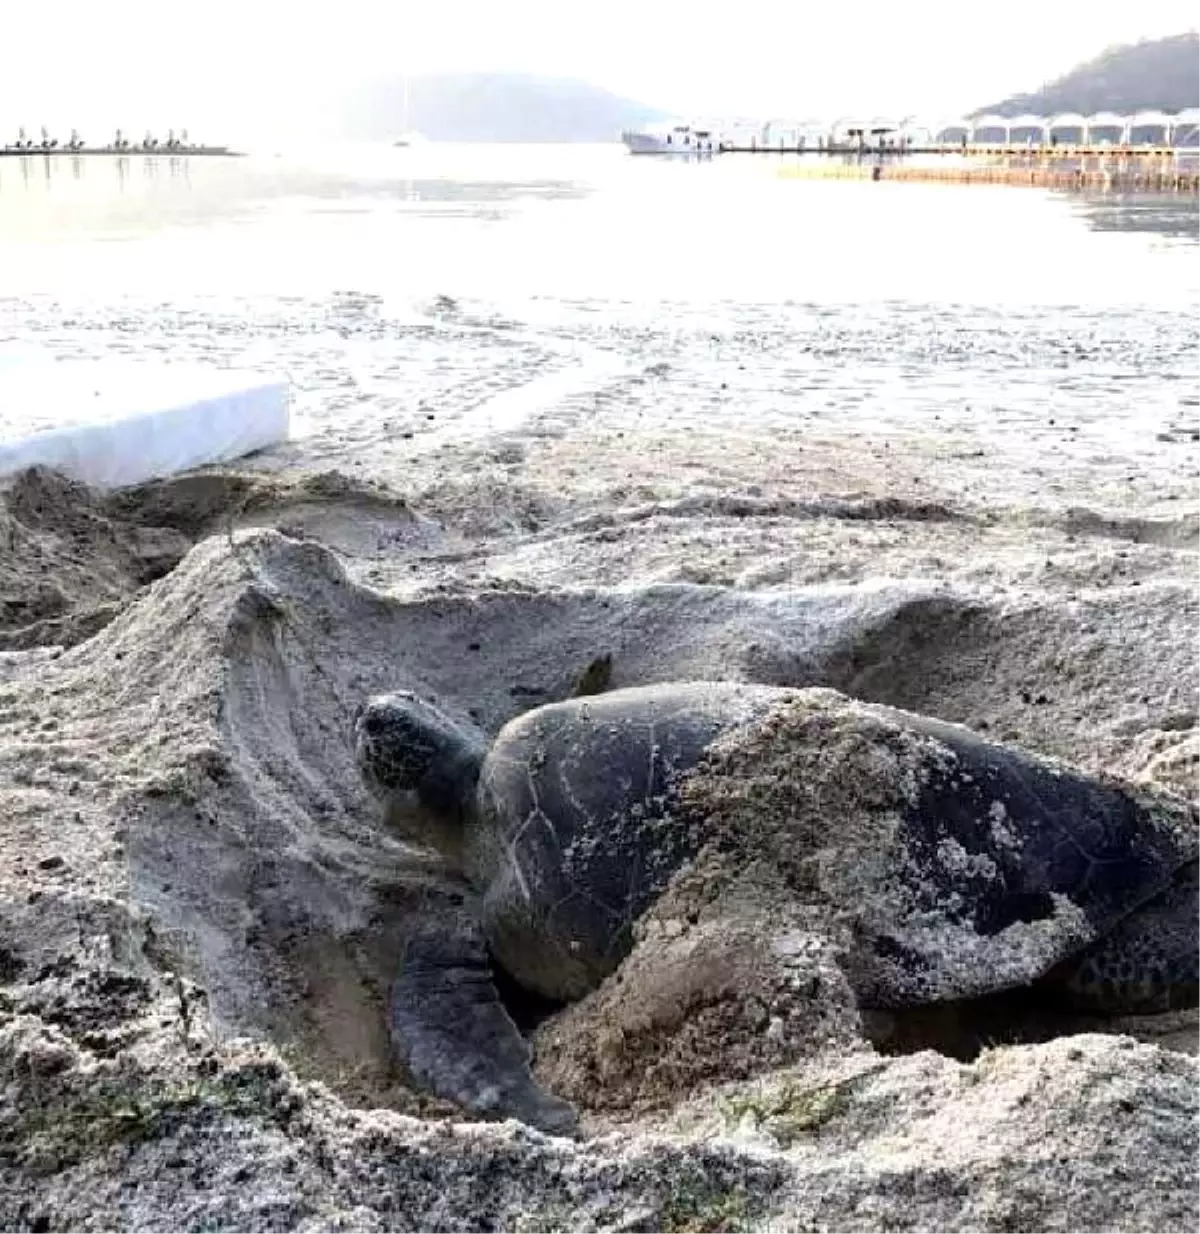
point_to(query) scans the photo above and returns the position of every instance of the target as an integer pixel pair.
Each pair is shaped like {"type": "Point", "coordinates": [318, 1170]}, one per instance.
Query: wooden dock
{"type": "Point", "coordinates": [1131, 169]}
{"type": "Point", "coordinates": [989, 150]}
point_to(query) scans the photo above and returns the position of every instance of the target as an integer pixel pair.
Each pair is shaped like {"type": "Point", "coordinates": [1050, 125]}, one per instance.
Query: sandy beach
{"type": "Point", "coordinates": [201, 908]}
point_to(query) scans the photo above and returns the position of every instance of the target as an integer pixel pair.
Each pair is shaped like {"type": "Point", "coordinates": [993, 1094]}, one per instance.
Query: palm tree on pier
{"type": "Point", "coordinates": [48, 142]}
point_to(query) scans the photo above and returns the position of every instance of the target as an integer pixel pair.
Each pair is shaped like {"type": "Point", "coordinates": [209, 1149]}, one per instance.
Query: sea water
{"type": "Point", "coordinates": [451, 290]}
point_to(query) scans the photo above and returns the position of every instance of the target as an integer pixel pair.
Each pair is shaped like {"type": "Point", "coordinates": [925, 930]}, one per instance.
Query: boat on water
{"type": "Point", "coordinates": [677, 139]}
{"type": "Point", "coordinates": [408, 139]}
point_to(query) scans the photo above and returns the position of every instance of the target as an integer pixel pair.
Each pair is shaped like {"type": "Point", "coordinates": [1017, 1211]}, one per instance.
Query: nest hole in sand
{"type": "Point", "coordinates": [963, 1029]}
{"type": "Point", "coordinates": [527, 1009]}
{"type": "Point", "coordinates": [265, 859]}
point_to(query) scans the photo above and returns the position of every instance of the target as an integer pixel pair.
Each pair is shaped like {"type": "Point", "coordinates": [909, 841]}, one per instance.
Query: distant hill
{"type": "Point", "coordinates": [489, 107]}
{"type": "Point", "coordinates": [1155, 75]}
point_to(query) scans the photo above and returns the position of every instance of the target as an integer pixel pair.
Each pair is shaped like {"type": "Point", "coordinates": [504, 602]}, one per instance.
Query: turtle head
{"type": "Point", "coordinates": [421, 765]}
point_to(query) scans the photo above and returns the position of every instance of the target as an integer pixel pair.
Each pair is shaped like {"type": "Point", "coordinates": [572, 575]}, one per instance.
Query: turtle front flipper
{"type": "Point", "coordinates": [455, 1036]}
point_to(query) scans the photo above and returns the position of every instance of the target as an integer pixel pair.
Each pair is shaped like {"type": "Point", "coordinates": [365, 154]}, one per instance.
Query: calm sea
{"type": "Point", "coordinates": [387, 281]}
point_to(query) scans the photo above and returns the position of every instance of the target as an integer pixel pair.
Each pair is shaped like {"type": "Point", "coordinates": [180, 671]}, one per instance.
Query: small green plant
{"type": "Point", "coordinates": [792, 1109]}
{"type": "Point", "coordinates": [543, 1221]}
{"type": "Point", "coordinates": [705, 1209]}
{"type": "Point", "coordinates": [69, 1125]}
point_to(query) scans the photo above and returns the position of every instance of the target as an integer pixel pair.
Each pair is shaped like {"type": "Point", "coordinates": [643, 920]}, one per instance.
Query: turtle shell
{"type": "Point", "coordinates": [578, 826]}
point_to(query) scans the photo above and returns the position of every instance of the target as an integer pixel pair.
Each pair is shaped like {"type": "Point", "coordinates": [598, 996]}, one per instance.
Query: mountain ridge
{"type": "Point", "coordinates": [1152, 75]}
{"type": "Point", "coordinates": [492, 107]}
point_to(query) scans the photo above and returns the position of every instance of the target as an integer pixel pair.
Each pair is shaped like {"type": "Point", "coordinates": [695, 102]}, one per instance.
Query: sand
{"type": "Point", "coordinates": [200, 909]}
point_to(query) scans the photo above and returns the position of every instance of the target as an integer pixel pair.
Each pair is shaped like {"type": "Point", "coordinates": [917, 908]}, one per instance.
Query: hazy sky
{"type": "Point", "coordinates": [146, 62]}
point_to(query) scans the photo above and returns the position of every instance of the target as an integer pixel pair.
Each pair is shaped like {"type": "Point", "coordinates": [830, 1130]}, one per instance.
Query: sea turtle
{"type": "Point", "coordinates": [954, 866]}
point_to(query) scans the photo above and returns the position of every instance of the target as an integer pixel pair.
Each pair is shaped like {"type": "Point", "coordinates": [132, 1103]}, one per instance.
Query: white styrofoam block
{"type": "Point", "coordinates": [110, 424]}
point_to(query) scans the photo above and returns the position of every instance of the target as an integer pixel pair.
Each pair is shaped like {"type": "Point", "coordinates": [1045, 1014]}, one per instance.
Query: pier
{"type": "Point", "coordinates": [11, 152]}
{"type": "Point", "coordinates": [990, 150]}
{"type": "Point", "coordinates": [1146, 132]}
{"type": "Point", "coordinates": [1135, 170]}
{"type": "Point", "coordinates": [1142, 152]}
{"type": "Point", "coordinates": [1150, 152]}
{"type": "Point", "coordinates": [120, 146]}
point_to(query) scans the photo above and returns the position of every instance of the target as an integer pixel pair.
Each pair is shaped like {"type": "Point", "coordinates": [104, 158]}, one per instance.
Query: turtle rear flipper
{"type": "Point", "coordinates": [1147, 964]}
{"type": "Point", "coordinates": [455, 1036]}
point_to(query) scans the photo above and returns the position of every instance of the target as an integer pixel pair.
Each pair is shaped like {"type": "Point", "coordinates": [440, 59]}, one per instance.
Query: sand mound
{"type": "Point", "coordinates": [73, 557]}
{"type": "Point", "coordinates": [68, 565]}
{"type": "Point", "coordinates": [1076, 678]}
{"type": "Point", "coordinates": [1090, 1133]}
